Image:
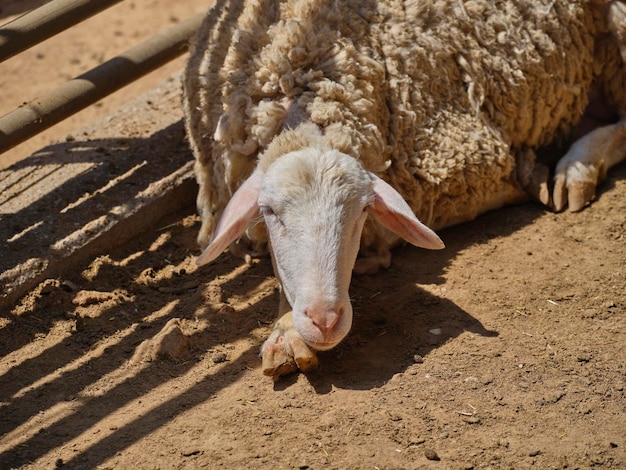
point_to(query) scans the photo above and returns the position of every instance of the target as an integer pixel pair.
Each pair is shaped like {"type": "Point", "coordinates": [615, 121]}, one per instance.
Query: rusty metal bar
{"type": "Point", "coordinates": [46, 21]}
{"type": "Point", "coordinates": [95, 84]}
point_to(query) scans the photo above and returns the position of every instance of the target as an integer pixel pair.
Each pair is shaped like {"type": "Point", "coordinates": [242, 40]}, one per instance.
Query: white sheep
{"type": "Point", "coordinates": [319, 112]}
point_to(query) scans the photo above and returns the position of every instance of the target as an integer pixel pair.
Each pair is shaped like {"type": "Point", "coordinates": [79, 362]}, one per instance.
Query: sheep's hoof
{"type": "Point", "coordinates": [585, 165]}
{"type": "Point", "coordinates": [284, 352]}
{"type": "Point", "coordinates": [576, 194]}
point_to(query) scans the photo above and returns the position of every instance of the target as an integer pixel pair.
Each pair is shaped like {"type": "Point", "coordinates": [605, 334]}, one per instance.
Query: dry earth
{"type": "Point", "coordinates": [506, 350]}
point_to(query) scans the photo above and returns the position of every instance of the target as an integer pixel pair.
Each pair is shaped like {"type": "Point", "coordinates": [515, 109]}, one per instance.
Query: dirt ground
{"type": "Point", "coordinates": [506, 350]}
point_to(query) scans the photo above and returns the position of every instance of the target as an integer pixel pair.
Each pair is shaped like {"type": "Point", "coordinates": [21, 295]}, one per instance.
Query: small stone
{"type": "Point", "coordinates": [218, 358]}
{"type": "Point", "coordinates": [430, 454]}
{"type": "Point", "coordinates": [418, 359]}
{"type": "Point", "coordinates": [69, 286]}
{"type": "Point", "coordinates": [534, 453]}
{"type": "Point", "coordinates": [435, 331]}
{"type": "Point", "coordinates": [471, 420]}
{"type": "Point", "coordinates": [190, 452]}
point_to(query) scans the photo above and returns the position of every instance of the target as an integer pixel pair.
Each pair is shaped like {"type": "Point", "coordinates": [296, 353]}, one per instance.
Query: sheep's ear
{"type": "Point", "coordinates": [237, 215]}
{"type": "Point", "coordinates": [392, 211]}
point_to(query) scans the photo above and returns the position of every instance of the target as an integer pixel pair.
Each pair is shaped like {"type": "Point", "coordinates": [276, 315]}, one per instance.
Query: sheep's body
{"type": "Point", "coordinates": [446, 92]}
{"type": "Point", "coordinates": [445, 99]}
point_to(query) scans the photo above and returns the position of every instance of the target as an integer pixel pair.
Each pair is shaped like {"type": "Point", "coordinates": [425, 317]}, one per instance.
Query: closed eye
{"type": "Point", "coordinates": [367, 206]}
{"type": "Point", "coordinates": [267, 211]}
{"type": "Point", "coordinates": [269, 214]}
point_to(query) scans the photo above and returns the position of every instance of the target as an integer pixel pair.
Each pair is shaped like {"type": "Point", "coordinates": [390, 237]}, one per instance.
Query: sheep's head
{"type": "Point", "coordinates": [314, 203]}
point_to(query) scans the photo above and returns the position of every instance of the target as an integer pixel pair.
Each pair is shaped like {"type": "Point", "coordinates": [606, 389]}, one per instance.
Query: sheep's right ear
{"type": "Point", "coordinates": [237, 215]}
{"type": "Point", "coordinates": [392, 211]}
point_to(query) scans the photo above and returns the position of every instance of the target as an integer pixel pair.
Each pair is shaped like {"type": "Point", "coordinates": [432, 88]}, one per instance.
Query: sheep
{"type": "Point", "coordinates": [317, 113]}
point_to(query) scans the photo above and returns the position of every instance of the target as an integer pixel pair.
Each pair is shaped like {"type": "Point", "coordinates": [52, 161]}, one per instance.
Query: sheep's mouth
{"type": "Point", "coordinates": [321, 345]}
{"type": "Point", "coordinates": [319, 340]}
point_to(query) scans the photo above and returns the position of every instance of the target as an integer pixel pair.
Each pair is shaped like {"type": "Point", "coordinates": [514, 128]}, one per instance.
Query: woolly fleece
{"type": "Point", "coordinates": [439, 98]}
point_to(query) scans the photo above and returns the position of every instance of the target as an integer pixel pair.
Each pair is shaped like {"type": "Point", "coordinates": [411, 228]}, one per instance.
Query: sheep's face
{"type": "Point", "coordinates": [314, 204]}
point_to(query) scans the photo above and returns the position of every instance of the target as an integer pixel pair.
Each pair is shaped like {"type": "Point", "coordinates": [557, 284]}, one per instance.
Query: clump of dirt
{"type": "Point", "coordinates": [170, 342]}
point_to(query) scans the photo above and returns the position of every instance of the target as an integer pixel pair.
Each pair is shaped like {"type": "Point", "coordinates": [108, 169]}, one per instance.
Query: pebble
{"type": "Point", "coordinates": [430, 454]}
{"type": "Point", "coordinates": [218, 358]}
{"type": "Point", "coordinates": [69, 286]}
{"type": "Point", "coordinates": [190, 452]}
{"type": "Point", "coordinates": [471, 420]}
{"type": "Point", "coordinates": [418, 359]}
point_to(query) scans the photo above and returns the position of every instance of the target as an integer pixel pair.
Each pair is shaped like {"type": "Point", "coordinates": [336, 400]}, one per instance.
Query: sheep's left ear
{"type": "Point", "coordinates": [237, 215]}
{"type": "Point", "coordinates": [392, 211]}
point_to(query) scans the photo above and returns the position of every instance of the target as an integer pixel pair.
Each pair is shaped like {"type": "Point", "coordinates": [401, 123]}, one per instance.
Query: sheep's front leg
{"type": "Point", "coordinates": [284, 352]}
{"type": "Point", "coordinates": [586, 164]}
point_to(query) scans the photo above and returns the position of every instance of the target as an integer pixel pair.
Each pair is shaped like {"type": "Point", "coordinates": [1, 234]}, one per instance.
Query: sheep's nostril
{"type": "Point", "coordinates": [324, 319]}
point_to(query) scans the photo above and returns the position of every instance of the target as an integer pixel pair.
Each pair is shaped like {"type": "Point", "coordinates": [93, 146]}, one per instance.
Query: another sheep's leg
{"type": "Point", "coordinates": [284, 352]}
{"type": "Point", "coordinates": [586, 164]}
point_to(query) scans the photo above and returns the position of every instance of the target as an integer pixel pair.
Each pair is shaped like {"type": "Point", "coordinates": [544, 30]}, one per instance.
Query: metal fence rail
{"type": "Point", "coordinates": [46, 21]}
{"type": "Point", "coordinates": [90, 87]}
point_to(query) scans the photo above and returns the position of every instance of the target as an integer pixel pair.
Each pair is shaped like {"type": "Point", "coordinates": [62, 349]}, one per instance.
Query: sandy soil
{"type": "Point", "coordinates": [506, 350]}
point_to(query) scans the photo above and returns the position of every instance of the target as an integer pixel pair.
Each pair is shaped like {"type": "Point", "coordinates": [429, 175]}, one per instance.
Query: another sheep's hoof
{"type": "Point", "coordinates": [284, 352]}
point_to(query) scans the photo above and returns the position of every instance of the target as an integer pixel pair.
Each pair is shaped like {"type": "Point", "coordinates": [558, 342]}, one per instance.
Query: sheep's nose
{"type": "Point", "coordinates": [324, 318]}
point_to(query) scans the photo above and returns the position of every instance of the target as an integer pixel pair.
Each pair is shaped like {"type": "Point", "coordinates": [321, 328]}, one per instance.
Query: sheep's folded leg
{"type": "Point", "coordinates": [370, 263]}
{"type": "Point", "coordinates": [586, 164]}
{"type": "Point", "coordinates": [284, 352]}
{"type": "Point", "coordinates": [534, 177]}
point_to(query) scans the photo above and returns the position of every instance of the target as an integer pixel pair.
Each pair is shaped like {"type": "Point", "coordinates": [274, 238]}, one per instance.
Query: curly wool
{"type": "Point", "coordinates": [439, 98]}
